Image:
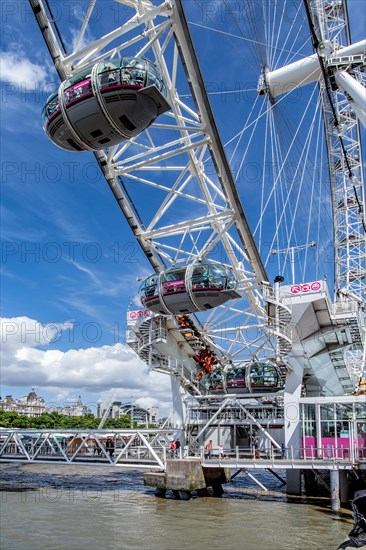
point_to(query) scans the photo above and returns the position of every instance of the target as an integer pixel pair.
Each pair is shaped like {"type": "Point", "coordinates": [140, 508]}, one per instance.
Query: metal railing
{"type": "Point", "coordinates": [150, 449]}
{"type": "Point", "coordinates": [127, 448]}
{"type": "Point", "coordinates": [283, 301]}
{"type": "Point", "coordinates": [285, 458]}
{"type": "Point", "coordinates": [236, 415]}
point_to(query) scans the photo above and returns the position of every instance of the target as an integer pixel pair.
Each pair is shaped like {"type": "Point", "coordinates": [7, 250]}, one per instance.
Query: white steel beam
{"type": "Point", "coordinates": [302, 72]}
{"type": "Point", "coordinates": [355, 93]}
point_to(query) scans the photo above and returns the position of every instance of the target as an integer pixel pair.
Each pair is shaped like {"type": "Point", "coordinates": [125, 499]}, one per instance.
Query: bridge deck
{"type": "Point", "coordinates": [232, 463]}
{"type": "Point", "coordinates": [149, 450]}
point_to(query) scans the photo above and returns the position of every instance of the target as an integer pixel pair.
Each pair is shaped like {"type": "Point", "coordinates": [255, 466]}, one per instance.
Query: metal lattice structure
{"type": "Point", "coordinates": [178, 146]}
{"type": "Point", "coordinates": [145, 448]}
{"type": "Point", "coordinates": [195, 212]}
{"type": "Point", "coordinates": [344, 72]}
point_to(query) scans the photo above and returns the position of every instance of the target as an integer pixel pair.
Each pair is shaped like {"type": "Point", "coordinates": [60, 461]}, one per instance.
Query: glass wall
{"type": "Point", "coordinates": [308, 417]}
{"type": "Point", "coordinates": [149, 287]}
{"type": "Point", "coordinates": [122, 72]}
{"type": "Point", "coordinates": [331, 429]}
{"type": "Point", "coordinates": [263, 375]}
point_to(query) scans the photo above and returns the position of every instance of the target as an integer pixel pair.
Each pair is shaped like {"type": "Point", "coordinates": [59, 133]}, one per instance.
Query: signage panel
{"type": "Point", "coordinates": [306, 288]}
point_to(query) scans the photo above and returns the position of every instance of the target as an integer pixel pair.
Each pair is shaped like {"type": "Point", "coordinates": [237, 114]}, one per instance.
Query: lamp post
{"type": "Point", "coordinates": [277, 283]}
{"type": "Point", "coordinates": [290, 250]}
{"type": "Point", "coordinates": [131, 411]}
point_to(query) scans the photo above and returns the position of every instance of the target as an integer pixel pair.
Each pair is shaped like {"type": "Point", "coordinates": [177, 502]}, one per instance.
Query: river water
{"type": "Point", "coordinates": [92, 508]}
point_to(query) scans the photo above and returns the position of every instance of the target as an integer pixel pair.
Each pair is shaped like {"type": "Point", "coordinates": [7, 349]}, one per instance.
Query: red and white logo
{"type": "Point", "coordinates": [306, 287]}
{"type": "Point", "coordinates": [138, 314]}
{"type": "Point", "coordinates": [295, 289]}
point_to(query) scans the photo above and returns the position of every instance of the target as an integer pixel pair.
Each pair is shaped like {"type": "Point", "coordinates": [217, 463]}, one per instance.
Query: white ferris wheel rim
{"type": "Point", "coordinates": [236, 330]}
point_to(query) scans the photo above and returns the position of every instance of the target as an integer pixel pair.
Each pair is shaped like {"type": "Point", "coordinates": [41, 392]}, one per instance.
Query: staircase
{"type": "Point", "coordinates": [354, 328]}
{"type": "Point", "coordinates": [348, 314]}
{"type": "Point", "coordinates": [144, 335]}
{"type": "Point", "coordinates": [279, 318]}
{"type": "Point", "coordinates": [186, 377]}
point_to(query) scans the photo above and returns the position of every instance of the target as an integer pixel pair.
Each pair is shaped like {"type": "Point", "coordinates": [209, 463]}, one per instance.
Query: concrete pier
{"type": "Point", "coordinates": [293, 481]}
{"type": "Point", "coordinates": [344, 489]}
{"type": "Point", "coordinates": [182, 476]}
{"type": "Point", "coordinates": [334, 491]}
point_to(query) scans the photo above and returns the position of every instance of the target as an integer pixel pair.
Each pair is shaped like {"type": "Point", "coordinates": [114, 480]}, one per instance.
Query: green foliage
{"type": "Point", "coordinates": [123, 421]}
{"type": "Point", "coordinates": [55, 421]}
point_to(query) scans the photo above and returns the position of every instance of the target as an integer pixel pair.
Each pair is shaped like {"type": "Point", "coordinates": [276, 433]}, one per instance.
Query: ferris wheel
{"type": "Point", "coordinates": [224, 211]}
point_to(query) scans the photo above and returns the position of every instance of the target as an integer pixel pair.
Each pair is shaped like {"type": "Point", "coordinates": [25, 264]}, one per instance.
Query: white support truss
{"type": "Point", "coordinates": [130, 448]}
{"type": "Point", "coordinates": [344, 144]}
{"type": "Point", "coordinates": [197, 213]}
{"type": "Point", "coordinates": [343, 113]}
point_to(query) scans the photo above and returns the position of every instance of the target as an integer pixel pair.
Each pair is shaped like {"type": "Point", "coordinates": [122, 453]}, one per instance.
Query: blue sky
{"type": "Point", "coordinates": [69, 260]}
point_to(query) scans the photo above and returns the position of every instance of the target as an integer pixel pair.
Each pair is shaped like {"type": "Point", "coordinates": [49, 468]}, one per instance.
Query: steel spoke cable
{"type": "Point", "coordinates": [266, 60]}
{"type": "Point", "coordinates": [287, 154]}
{"type": "Point", "coordinates": [240, 38]}
{"type": "Point", "coordinates": [263, 179]}
{"type": "Point", "coordinates": [304, 207]}
{"type": "Point", "coordinates": [327, 88]}
{"type": "Point", "coordinates": [325, 221]}
{"type": "Point", "coordinates": [225, 92]}
{"type": "Point", "coordinates": [232, 155]}
{"type": "Point", "coordinates": [278, 33]}
{"type": "Point", "coordinates": [241, 133]}
{"type": "Point", "coordinates": [243, 157]}
{"type": "Point", "coordinates": [298, 53]}
{"type": "Point", "coordinates": [276, 29]}
{"type": "Point", "coordinates": [278, 160]}
{"type": "Point", "coordinates": [253, 50]}
{"type": "Point", "coordinates": [284, 189]}
{"type": "Point", "coordinates": [288, 151]}
{"type": "Point", "coordinates": [270, 107]}
{"type": "Point", "coordinates": [311, 202]}
{"type": "Point", "coordinates": [283, 192]}
{"type": "Point", "coordinates": [262, 50]}
{"type": "Point", "coordinates": [275, 195]}
{"type": "Point", "coordinates": [318, 149]}
{"type": "Point", "coordinates": [301, 181]}
{"type": "Point", "coordinates": [295, 51]}
{"type": "Point", "coordinates": [305, 215]}
{"type": "Point", "coordinates": [224, 33]}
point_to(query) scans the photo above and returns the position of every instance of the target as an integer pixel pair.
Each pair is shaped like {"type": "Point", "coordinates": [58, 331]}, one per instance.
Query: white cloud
{"type": "Point", "coordinates": [19, 331]}
{"type": "Point", "coordinates": [19, 70]}
{"type": "Point", "coordinates": [113, 369]}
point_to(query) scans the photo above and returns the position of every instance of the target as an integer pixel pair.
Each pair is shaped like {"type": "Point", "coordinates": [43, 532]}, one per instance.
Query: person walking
{"type": "Point", "coordinates": [173, 447]}
{"type": "Point", "coordinates": [109, 445]}
{"type": "Point", "coordinates": [177, 448]}
{"type": "Point", "coordinates": [209, 449]}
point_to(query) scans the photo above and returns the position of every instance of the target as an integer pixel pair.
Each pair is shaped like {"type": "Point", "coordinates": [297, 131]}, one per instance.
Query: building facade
{"type": "Point", "coordinates": [139, 414]}
{"type": "Point", "coordinates": [34, 405]}
{"type": "Point", "coordinates": [29, 405]}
